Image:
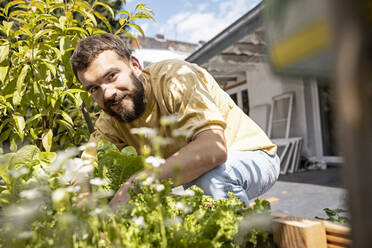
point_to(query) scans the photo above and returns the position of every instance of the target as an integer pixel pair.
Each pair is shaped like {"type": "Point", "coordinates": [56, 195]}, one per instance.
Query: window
{"type": "Point", "coordinates": [234, 97]}
{"type": "Point", "coordinates": [245, 101]}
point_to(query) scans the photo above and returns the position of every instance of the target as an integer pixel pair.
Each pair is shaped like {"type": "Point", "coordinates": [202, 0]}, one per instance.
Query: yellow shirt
{"type": "Point", "coordinates": [188, 91]}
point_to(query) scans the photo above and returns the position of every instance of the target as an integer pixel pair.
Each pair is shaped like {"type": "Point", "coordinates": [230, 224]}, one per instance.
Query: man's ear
{"type": "Point", "coordinates": [136, 65]}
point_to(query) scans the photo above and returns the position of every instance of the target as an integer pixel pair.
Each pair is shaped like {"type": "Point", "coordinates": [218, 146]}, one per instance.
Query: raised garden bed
{"type": "Point", "coordinates": [294, 231]}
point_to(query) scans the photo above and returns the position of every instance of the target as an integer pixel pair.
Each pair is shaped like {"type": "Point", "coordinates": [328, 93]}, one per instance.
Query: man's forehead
{"type": "Point", "coordinates": [106, 61]}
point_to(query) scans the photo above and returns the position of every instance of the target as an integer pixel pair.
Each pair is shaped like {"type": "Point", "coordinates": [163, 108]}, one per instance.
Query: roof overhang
{"type": "Point", "coordinates": [246, 24]}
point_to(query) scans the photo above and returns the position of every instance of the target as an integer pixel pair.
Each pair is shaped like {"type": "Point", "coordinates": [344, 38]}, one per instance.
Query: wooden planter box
{"type": "Point", "coordinates": [297, 232]}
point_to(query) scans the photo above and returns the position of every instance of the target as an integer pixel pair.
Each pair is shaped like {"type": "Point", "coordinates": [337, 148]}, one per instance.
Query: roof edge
{"type": "Point", "coordinates": [246, 24]}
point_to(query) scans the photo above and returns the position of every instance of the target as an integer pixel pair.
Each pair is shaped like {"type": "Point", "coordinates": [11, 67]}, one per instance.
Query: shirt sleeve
{"type": "Point", "coordinates": [105, 128]}
{"type": "Point", "coordinates": [188, 96]}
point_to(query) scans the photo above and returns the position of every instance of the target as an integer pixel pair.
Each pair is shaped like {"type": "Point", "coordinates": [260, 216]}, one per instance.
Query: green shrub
{"type": "Point", "coordinates": [40, 100]}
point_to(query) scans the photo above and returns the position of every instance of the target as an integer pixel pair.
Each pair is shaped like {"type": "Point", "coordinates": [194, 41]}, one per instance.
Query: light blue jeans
{"type": "Point", "coordinates": [247, 174]}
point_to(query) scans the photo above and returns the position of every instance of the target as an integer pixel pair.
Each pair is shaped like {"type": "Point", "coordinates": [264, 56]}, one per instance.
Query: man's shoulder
{"type": "Point", "coordinates": [167, 67]}
{"type": "Point", "coordinates": [105, 121]}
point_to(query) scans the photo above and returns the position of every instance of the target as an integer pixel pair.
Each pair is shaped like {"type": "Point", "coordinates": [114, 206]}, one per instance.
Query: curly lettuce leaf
{"type": "Point", "coordinates": [117, 166]}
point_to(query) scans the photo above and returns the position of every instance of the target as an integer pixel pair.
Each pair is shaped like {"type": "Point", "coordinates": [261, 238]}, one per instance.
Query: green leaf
{"type": "Point", "coordinates": [4, 123]}
{"type": "Point", "coordinates": [20, 123]}
{"type": "Point", "coordinates": [37, 116]}
{"type": "Point", "coordinates": [18, 13]}
{"type": "Point", "coordinates": [47, 140]}
{"type": "Point", "coordinates": [21, 78]}
{"type": "Point", "coordinates": [27, 157]}
{"type": "Point", "coordinates": [56, 5]}
{"type": "Point", "coordinates": [47, 157]}
{"type": "Point", "coordinates": [79, 30]}
{"type": "Point", "coordinates": [138, 28]}
{"type": "Point", "coordinates": [33, 133]}
{"type": "Point", "coordinates": [42, 32]}
{"type": "Point", "coordinates": [142, 15]}
{"type": "Point", "coordinates": [104, 19]}
{"type": "Point", "coordinates": [73, 91]}
{"type": "Point", "coordinates": [39, 91]}
{"type": "Point", "coordinates": [52, 67]}
{"type": "Point", "coordinates": [99, 31]}
{"type": "Point", "coordinates": [46, 18]}
{"type": "Point", "coordinates": [4, 53]}
{"type": "Point", "coordinates": [105, 6]}
{"type": "Point", "coordinates": [4, 166]}
{"type": "Point", "coordinates": [25, 31]}
{"type": "Point", "coordinates": [91, 17]}
{"type": "Point", "coordinates": [64, 43]}
{"type": "Point", "coordinates": [39, 5]}
{"type": "Point", "coordinates": [105, 146]}
{"type": "Point", "coordinates": [129, 151]}
{"type": "Point", "coordinates": [123, 12]}
{"type": "Point", "coordinates": [5, 135]}
{"type": "Point", "coordinates": [3, 73]}
{"type": "Point", "coordinates": [17, 98]}
{"type": "Point", "coordinates": [144, 7]}
{"type": "Point", "coordinates": [83, 5]}
{"type": "Point", "coordinates": [13, 145]}
{"type": "Point", "coordinates": [116, 167]}
{"type": "Point", "coordinates": [78, 99]}
{"type": "Point", "coordinates": [65, 124]}
{"type": "Point", "coordinates": [7, 26]}
{"type": "Point", "coordinates": [67, 117]}
{"type": "Point", "coordinates": [11, 4]}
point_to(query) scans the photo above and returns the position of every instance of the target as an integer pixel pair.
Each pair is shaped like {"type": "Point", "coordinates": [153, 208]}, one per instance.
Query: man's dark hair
{"type": "Point", "coordinates": [89, 48]}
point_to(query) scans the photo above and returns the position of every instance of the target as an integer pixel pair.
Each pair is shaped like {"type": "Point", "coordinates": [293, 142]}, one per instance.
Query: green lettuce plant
{"type": "Point", "coordinates": [117, 166]}
{"type": "Point", "coordinates": [42, 207]}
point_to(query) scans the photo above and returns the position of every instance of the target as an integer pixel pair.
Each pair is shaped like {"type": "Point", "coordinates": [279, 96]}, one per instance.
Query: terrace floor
{"type": "Point", "coordinates": [308, 193]}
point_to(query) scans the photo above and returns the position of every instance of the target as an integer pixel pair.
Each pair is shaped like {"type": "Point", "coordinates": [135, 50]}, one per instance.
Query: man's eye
{"type": "Point", "coordinates": [111, 76]}
{"type": "Point", "coordinates": [93, 89]}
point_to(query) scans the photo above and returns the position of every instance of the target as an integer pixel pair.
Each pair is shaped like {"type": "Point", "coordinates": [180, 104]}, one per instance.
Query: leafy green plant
{"type": "Point", "coordinates": [336, 215]}
{"type": "Point", "coordinates": [40, 100]}
{"type": "Point", "coordinates": [117, 166]}
{"type": "Point", "coordinates": [46, 210]}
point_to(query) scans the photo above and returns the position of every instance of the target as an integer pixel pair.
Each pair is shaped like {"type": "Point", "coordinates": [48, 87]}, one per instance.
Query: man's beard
{"type": "Point", "coordinates": [138, 98]}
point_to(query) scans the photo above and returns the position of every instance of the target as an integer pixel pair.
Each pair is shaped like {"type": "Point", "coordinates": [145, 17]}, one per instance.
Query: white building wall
{"type": "Point", "coordinates": [263, 85]}
{"type": "Point", "coordinates": [146, 56]}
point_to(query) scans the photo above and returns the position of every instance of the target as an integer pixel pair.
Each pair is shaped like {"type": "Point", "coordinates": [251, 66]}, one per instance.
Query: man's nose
{"type": "Point", "coordinates": [109, 91]}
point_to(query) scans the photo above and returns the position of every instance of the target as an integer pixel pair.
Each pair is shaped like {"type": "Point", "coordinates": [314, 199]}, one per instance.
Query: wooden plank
{"type": "Point", "coordinates": [337, 235]}
{"type": "Point", "coordinates": [299, 232]}
{"type": "Point", "coordinates": [278, 214]}
{"type": "Point", "coordinates": [335, 228]}
{"type": "Point", "coordinates": [335, 246]}
{"type": "Point", "coordinates": [338, 240]}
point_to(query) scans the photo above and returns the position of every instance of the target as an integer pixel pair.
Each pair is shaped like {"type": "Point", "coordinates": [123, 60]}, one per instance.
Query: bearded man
{"type": "Point", "coordinates": [226, 151]}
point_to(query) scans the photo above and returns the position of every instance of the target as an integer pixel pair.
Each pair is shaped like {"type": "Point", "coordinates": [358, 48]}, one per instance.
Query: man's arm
{"type": "Point", "coordinates": [204, 153]}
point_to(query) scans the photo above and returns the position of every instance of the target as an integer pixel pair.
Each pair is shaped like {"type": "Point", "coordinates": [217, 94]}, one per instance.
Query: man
{"type": "Point", "coordinates": [226, 152]}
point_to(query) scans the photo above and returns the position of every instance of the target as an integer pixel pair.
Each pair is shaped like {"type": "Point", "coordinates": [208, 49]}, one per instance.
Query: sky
{"type": "Point", "coordinates": [191, 20]}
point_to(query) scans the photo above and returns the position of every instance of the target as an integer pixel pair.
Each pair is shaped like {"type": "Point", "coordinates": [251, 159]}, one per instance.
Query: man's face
{"type": "Point", "coordinates": [115, 86]}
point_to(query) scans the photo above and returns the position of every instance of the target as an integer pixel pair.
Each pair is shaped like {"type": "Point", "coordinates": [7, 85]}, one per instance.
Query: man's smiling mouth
{"type": "Point", "coordinates": [118, 103]}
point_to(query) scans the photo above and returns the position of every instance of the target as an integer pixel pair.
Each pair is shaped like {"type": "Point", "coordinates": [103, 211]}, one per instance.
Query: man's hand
{"type": "Point", "coordinates": [122, 196]}
{"type": "Point", "coordinates": [204, 153]}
